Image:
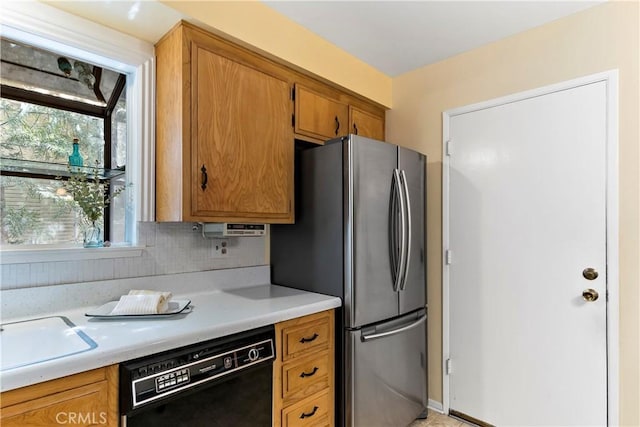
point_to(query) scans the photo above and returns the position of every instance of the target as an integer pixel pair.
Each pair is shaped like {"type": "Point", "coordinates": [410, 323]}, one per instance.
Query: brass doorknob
{"type": "Point", "coordinates": [590, 295]}
{"type": "Point", "coordinates": [590, 273]}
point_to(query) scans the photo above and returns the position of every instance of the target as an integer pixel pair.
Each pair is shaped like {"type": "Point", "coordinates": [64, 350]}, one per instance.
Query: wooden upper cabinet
{"type": "Point", "coordinates": [224, 141]}
{"type": "Point", "coordinates": [319, 116]}
{"type": "Point", "coordinates": [242, 141]}
{"type": "Point", "coordinates": [224, 131]}
{"type": "Point", "coordinates": [366, 124]}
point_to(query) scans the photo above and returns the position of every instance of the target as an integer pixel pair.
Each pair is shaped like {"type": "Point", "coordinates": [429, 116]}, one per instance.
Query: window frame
{"type": "Point", "coordinates": [44, 26]}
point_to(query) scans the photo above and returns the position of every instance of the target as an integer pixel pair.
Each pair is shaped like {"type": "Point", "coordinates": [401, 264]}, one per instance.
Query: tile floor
{"type": "Point", "coordinates": [435, 419]}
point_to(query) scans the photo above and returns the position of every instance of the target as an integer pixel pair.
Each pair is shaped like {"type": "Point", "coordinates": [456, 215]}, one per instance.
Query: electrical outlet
{"type": "Point", "coordinates": [220, 249]}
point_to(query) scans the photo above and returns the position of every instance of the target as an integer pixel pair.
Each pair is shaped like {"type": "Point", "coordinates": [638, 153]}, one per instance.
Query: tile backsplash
{"type": "Point", "coordinates": [168, 248]}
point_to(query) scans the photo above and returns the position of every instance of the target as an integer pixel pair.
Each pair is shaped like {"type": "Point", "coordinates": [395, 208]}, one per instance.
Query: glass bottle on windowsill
{"type": "Point", "coordinates": [93, 236]}
{"type": "Point", "coordinates": [75, 159]}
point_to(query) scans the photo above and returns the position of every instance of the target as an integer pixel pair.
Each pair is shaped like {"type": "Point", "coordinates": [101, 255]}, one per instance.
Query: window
{"type": "Point", "coordinates": [47, 100]}
{"type": "Point", "coordinates": [45, 27]}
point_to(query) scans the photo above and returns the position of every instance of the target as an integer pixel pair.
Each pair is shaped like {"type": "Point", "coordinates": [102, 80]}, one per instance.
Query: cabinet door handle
{"type": "Point", "coordinates": [310, 414]}
{"type": "Point", "coordinates": [337, 125]}
{"type": "Point", "coordinates": [205, 178]}
{"type": "Point", "coordinates": [304, 374]}
{"type": "Point", "coordinates": [355, 129]}
{"type": "Point", "coordinates": [304, 340]}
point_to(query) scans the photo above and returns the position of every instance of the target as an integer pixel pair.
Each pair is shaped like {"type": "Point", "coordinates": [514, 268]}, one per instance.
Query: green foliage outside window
{"type": "Point", "coordinates": [34, 132]}
{"type": "Point", "coordinates": [36, 211]}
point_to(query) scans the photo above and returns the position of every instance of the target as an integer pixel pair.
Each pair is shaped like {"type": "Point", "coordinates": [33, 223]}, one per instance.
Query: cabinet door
{"type": "Point", "coordinates": [242, 141]}
{"type": "Point", "coordinates": [366, 124]}
{"type": "Point", "coordinates": [82, 406]}
{"type": "Point", "coordinates": [319, 116]}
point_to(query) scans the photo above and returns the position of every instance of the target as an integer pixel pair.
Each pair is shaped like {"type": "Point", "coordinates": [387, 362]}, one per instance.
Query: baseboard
{"type": "Point", "coordinates": [435, 406]}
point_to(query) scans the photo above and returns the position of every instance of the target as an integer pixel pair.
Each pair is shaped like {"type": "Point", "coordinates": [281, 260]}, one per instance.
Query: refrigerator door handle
{"type": "Point", "coordinates": [403, 230]}
{"type": "Point", "coordinates": [365, 338]}
{"type": "Point", "coordinates": [393, 232]}
{"type": "Point", "coordinates": [397, 228]}
{"type": "Point", "coordinates": [406, 250]}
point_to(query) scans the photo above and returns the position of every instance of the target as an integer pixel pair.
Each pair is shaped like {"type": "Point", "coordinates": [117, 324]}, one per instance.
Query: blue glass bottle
{"type": "Point", "coordinates": [75, 159]}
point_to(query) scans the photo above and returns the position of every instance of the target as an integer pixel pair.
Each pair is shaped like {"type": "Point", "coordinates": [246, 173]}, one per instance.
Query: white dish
{"type": "Point", "coordinates": [176, 306]}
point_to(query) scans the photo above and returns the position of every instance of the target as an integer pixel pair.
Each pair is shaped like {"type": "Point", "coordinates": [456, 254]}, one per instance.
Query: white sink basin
{"type": "Point", "coordinates": [38, 340]}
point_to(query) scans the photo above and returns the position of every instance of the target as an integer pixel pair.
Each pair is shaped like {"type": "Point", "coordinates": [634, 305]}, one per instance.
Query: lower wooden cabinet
{"type": "Point", "coordinates": [303, 385]}
{"type": "Point", "coordinates": [86, 399]}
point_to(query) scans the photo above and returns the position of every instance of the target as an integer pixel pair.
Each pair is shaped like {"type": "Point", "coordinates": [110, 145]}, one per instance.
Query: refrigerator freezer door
{"type": "Point", "coordinates": [368, 169]}
{"type": "Point", "coordinates": [412, 296]}
{"type": "Point", "coordinates": [385, 375]}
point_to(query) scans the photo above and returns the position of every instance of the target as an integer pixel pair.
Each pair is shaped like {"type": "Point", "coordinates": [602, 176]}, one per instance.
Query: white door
{"type": "Point", "coordinates": [526, 216]}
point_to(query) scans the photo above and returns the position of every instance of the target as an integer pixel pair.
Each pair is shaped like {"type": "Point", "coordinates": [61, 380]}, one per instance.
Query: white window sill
{"type": "Point", "coordinates": [53, 254]}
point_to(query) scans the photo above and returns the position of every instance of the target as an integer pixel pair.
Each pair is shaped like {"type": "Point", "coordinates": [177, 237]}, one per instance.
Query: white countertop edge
{"type": "Point", "coordinates": [58, 368]}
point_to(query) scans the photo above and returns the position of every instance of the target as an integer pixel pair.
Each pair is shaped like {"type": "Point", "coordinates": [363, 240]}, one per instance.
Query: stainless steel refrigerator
{"type": "Point", "coordinates": [359, 235]}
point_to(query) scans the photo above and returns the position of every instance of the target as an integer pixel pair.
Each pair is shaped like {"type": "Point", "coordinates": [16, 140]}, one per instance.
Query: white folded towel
{"type": "Point", "coordinates": [142, 302]}
{"type": "Point", "coordinates": [163, 304]}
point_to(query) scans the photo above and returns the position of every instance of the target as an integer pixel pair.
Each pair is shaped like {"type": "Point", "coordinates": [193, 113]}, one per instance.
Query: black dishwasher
{"type": "Point", "coordinates": [226, 382]}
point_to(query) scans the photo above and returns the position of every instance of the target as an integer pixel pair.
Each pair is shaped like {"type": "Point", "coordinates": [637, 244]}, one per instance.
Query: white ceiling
{"type": "Point", "coordinates": [392, 36]}
{"type": "Point", "coordinates": [148, 20]}
{"type": "Point", "coordinates": [399, 36]}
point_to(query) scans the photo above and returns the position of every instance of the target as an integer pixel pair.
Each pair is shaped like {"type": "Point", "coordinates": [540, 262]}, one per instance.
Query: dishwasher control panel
{"type": "Point", "coordinates": [153, 378]}
{"type": "Point", "coordinates": [172, 379]}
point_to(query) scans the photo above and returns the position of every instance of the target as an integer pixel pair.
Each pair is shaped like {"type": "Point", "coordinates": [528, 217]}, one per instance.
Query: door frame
{"type": "Point", "coordinates": [612, 214]}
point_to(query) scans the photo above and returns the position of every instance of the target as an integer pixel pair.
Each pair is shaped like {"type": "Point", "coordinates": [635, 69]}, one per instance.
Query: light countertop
{"type": "Point", "coordinates": [215, 313]}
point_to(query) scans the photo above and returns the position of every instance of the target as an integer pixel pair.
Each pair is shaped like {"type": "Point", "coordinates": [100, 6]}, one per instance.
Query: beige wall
{"type": "Point", "coordinates": [602, 38]}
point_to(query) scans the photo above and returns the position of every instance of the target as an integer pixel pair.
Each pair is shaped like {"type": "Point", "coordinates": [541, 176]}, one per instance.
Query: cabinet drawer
{"type": "Point", "coordinates": [298, 340]}
{"type": "Point", "coordinates": [313, 411]}
{"type": "Point", "coordinates": [304, 378]}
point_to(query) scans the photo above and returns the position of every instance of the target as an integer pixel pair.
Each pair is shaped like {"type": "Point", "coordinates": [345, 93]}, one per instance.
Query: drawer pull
{"type": "Point", "coordinates": [306, 340]}
{"type": "Point", "coordinates": [304, 374]}
{"type": "Point", "coordinates": [310, 414]}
